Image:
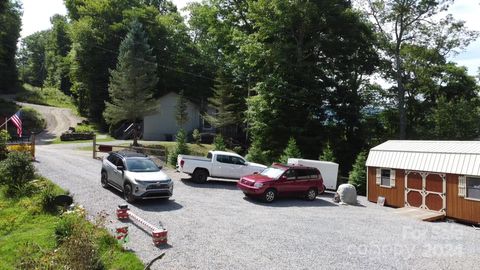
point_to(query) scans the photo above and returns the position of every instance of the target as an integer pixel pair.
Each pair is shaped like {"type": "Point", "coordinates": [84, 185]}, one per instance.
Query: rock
{"type": "Point", "coordinates": [74, 136]}
{"type": "Point", "coordinates": [347, 194]}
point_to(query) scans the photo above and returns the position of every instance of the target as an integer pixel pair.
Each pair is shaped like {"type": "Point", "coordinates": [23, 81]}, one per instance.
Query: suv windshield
{"type": "Point", "coordinates": [274, 173]}
{"type": "Point", "coordinates": [141, 165]}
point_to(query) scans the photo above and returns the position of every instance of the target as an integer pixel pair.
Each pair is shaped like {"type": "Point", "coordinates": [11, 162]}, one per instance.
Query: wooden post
{"type": "Point", "coordinates": [94, 146]}
{"type": "Point", "coordinates": [32, 145]}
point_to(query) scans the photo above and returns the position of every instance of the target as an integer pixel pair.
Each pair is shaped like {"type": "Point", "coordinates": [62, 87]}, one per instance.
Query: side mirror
{"type": "Point", "coordinates": [160, 167]}
{"type": "Point", "coordinates": [255, 172]}
{"type": "Point", "coordinates": [283, 178]}
{"type": "Point", "coordinates": [120, 168]}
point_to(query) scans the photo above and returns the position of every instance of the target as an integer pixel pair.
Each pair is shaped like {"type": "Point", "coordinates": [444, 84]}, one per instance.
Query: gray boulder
{"type": "Point", "coordinates": [347, 194]}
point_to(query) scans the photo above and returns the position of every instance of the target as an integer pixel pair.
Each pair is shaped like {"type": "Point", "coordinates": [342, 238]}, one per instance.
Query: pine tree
{"type": "Point", "coordinates": [181, 114]}
{"type": "Point", "coordinates": [219, 143]}
{"type": "Point", "coordinates": [229, 102]}
{"type": "Point", "coordinates": [291, 151]}
{"type": "Point", "coordinates": [327, 154]}
{"type": "Point", "coordinates": [196, 136]}
{"type": "Point", "coordinates": [181, 147]}
{"type": "Point", "coordinates": [133, 81]}
{"type": "Point", "coordinates": [256, 154]}
{"type": "Point", "coordinates": [357, 176]}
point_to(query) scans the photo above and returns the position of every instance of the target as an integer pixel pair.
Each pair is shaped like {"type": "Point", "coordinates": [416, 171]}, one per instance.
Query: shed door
{"type": "Point", "coordinates": [425, 190]}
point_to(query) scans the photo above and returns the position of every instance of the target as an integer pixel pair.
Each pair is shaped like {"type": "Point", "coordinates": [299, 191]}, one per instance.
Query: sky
{"type": "Point", "coordinates": [37, 13]}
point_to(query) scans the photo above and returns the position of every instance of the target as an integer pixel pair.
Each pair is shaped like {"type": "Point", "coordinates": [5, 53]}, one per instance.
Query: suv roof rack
{"type": "Point", "coordinates": [124, 153]}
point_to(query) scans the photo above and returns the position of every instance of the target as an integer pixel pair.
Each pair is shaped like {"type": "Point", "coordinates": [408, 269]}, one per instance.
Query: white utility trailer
{"type": "Point", "coordinates": [329, 170]}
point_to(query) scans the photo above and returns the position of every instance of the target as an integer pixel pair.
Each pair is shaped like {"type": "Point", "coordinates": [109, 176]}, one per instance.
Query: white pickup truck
{"type": "Point", "coordinates": [218, 164]}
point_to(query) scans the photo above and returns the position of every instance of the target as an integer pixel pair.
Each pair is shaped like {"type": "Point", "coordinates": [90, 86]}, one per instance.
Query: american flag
{"type": "Point", "coordinates": [17, 122]}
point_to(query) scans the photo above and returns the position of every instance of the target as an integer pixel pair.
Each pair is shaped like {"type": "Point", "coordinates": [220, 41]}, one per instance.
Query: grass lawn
{"type": "Point", "coordinates": [27, 232]}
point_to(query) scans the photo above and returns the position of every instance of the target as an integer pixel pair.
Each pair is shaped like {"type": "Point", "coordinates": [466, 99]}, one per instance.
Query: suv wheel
{"type": "Point", "coordinates": [200, 176]}
{"type": "Point", "coordinates": [104, 179]}
{"type": "Point", "coordinates": [311, 194]}
{"type": "Point", "coordinates": [128, 193]}
{"type": "Point", "coordinates": [269, 195]}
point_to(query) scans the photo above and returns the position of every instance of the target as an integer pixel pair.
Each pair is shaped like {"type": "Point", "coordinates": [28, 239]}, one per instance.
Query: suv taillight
{"type": "Point", "coordinates": [182, 162]}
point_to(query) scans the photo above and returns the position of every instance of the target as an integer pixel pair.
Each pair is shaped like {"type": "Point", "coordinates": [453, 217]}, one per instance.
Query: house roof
{"type": "Point", "coordinates": [455, 157]}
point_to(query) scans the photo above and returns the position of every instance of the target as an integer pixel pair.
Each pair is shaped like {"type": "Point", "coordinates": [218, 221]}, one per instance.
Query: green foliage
{"type": "Point", "coordinates": [31, 56]}
{"type": "Point", "coordinates": [57, 62]}
{"type": "Point", "coordinates": [181, 113]}
{"type": "Point", "coordinates": [46, 96]}
{"type": "Point", "coordinates": [291, 151]}
{"type": "Point", "coordinates": [4, 137]}
{"type": "Point", "coordinates": [10, 25]}
{"type": "Point", "coordinates": [238, 150]}
{"type": "Point", "coordinates": [456, 119]}
{"type": "Point", "coordinates": [357, 176]}
{"type": "Point", "coordinates": [219, 143]}
{"type": "Point", "coordinates": [181, 147]}
{"type": "Point", "coordinates": [256, 154]}
{"type": "Point", "coordinates": [33, 121]}
{"type": "Point", "coordinates": [327, 154]}
{"type": "Point", "coordinates": [196, 136]}
{"type": "Point", "coordinates": [133, 81]}
{"type": "Point", "coordinates": [85, 128]}
{"type": "Point", "coordinates": [16, 172]}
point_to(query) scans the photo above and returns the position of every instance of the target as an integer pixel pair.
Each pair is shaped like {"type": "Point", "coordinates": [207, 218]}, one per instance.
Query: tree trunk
{"type": "Point", "coordinates": [135, 134]}
{"type": "Point", "coordinates": [401, 98]}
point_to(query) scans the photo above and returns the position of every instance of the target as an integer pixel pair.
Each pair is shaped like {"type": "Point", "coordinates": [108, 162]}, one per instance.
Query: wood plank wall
{"type": "Point", "coordinates": [458, 207]}
{"type": "Point", "coordinates": [393, 196]}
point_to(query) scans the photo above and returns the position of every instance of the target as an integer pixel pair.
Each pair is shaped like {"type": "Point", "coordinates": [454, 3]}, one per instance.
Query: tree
{"type": "Point", "coordinates": [181, 113]}
{"type": "Point", "coordinates": [197, 137]}
{"type": "Point", "coordinates": [357, 176]}
{"type": "Point", "coordinates": [132, 83]}
{"type": "Point", "coordinates": [181, 147]}
{"type": "Point", "coordinates": [10, 24]}
{"type": "Point", "coordinates": [327, 154]}
{"type": "Point", "coordinates": [219, 143]}
{"type": "Point", "coordinates": [32, 58]}
{"type": "Point", "coordinates": [58, 45]}
{"type": "Point", "coordinates": [291, 151]}
{"type": "Point", "coordinates": [407, 22]}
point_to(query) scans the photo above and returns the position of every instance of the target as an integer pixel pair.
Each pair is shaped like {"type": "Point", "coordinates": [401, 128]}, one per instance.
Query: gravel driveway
{"type": "Point", "coordinates": [213, 226]}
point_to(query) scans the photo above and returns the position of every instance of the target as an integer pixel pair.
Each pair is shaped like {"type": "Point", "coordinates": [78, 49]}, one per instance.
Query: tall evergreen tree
{"type": "Point", "coordinates": [327, 154]}
{"type": "Point", "coordinates": [291, 151]}
{"type": "Point", "coordinates": [133, 82]}
{"type": "Point", "coordinates": [358, 175]}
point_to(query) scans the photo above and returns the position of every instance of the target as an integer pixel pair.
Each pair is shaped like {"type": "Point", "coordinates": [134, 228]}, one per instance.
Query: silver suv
{"type": "Point", "coordinates": [137, 176]}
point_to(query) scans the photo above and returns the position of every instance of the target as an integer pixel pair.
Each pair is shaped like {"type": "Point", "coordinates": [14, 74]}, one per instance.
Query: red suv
{"type": "Point", "coordinates": [283, 180]}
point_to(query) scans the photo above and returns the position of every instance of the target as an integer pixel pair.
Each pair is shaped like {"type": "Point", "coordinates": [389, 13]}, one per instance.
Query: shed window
{"type": "Point", "coordinates": [473, 188]}
{"type": "Point", "coordinates": [385, 181]}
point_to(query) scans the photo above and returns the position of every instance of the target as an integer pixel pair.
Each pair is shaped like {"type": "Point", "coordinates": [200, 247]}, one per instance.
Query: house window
{"type": "Point", "coordinates": [473, 188]}
{"type": "Point", "coordinates": [385, 178]}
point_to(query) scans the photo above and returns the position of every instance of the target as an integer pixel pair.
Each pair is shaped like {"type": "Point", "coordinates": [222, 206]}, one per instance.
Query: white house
{"type": "Point", "coordinates": [162, 126]}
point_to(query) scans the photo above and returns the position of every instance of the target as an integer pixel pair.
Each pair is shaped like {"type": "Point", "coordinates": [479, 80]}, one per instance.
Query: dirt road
{"type": "Point", "coordinates": [58, 121]}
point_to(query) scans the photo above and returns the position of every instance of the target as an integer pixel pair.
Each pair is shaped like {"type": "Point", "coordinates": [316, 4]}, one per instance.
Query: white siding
{"type": "Point", "coordinates": [162, 124]}
{"type": "Point", "coordinates": [456, 157]}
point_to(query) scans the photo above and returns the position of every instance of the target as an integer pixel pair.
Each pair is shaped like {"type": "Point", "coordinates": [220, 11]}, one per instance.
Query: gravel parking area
{"type": "Point", "coordinates": [213, 226]}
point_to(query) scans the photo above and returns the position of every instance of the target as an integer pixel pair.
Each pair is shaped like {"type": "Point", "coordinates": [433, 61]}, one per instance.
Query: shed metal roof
{"type": "Point", "coordinates": [456, 157]}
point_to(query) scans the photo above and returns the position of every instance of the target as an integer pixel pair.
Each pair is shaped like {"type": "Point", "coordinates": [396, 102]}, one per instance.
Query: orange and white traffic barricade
{"type": "Point", "coordinates": [159, 235]}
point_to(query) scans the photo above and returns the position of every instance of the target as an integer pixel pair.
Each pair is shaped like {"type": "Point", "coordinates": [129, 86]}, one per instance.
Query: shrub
{"type": "Point", "coordinates": [4, 137]}
{"type": "Point", "coordinates": [47, 198]}
{"type": "Point", "coordinates": [196, 136]}
{"type": "Point", "coordinates": [219, 143]}
{"type": "Point", "coordinates": [327, 154]}
{"type": "Point", "coordinates": [16, 171]}
{"type": "Point", "coordinates": [357, 176]}
{"type": "Point", "coordinates": [32, 120]}
{"type": "Point", "coordinates": [238, 150]}
{"type": "Point", "coordinates": [291, 151]}
{"type": "Point", "coordinates": [256, 154]}
{"type": "Point", "coordinates": [181, 147]}
{"type": "Point", "coordinates": [65, 226]}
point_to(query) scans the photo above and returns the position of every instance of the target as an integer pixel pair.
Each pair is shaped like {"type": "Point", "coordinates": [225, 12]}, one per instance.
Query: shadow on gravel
{"type": "Point", "coordinates": [44, 138]}
{"type": "Point", "coordinates": [292, 202]}
{"type": "Point", "coordinates": [158, 205]}
{"type": "Point", "coordinates": [213, 183]}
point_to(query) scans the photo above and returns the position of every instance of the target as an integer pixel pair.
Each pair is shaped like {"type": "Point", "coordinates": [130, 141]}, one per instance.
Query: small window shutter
{"type": "Point", "coordinates": [392, 178]}
{"type": "Point", "coordinates": [462, 183]}
{"type": "Point", "coordinates": [378, 178]}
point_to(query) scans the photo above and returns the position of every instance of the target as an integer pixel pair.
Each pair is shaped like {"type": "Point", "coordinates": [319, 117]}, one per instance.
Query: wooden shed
{"type": "Point", "coordinates": [441, 176]}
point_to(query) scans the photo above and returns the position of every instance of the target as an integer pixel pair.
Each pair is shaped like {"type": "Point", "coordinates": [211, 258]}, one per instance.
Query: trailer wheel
{"type": "Point", "coordinates": [200, 176]}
